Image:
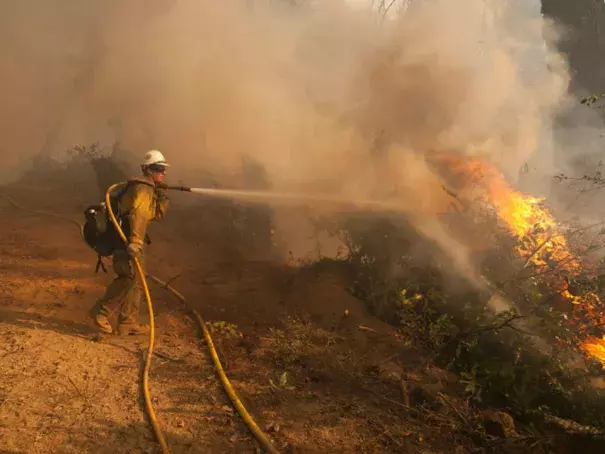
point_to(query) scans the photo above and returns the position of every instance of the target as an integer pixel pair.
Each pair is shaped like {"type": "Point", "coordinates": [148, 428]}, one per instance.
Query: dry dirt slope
{"type": "Point", "coordinates": [64, 388]}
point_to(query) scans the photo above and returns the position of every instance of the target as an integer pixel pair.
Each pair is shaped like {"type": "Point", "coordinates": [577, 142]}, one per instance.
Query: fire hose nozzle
{"type": "Point", "coordinates": [174, 188]}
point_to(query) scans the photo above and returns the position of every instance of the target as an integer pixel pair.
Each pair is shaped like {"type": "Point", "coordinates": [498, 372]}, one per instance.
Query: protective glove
{"type": "Point", "coordinates": [134, 250]}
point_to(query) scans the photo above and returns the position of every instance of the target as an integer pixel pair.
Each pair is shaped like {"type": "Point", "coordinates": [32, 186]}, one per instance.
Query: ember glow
{"type": "Point", "coordinates": [540, 244]}
{"type": "Point", "coordinates": [595, 347]}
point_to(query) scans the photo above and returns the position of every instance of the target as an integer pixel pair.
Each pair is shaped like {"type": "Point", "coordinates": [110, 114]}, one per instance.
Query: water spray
{"type": "Point", "coordinates": [289, 198]}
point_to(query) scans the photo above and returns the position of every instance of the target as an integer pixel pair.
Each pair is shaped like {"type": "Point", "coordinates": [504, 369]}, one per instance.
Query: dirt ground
{"type": "Point", "coordinates": [314, 379]}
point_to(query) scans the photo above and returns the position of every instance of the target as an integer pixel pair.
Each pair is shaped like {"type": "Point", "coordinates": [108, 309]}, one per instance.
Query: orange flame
{"type": "Point", "coordinates": [540, 242]}
{"type": "Point", "coordinates": [595, 347]}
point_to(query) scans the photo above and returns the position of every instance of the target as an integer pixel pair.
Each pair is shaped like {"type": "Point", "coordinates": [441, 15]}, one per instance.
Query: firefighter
{"type": "Point", "coordinates": [141, 202]}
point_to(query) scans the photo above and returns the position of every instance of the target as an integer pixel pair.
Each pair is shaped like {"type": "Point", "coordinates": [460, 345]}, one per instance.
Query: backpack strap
{"type": "Point", "coordinates": [122, 193]}
{"type": "Point", "coordinates": [124, 190]}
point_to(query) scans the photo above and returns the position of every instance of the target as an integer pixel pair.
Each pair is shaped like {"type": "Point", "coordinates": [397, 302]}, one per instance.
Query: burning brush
{"type": "Point", "coordinates": [541, 245]}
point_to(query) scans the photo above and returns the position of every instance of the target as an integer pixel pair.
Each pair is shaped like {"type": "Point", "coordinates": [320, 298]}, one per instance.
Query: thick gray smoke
{"type": "Point", "coordinates": [323, 95]}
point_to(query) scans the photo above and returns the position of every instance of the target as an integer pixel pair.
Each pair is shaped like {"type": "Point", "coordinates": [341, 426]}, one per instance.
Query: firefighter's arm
{"type": "Point", "coordinates": [162, 205]}
{"type": "Point", "coordinates": [139, 213]}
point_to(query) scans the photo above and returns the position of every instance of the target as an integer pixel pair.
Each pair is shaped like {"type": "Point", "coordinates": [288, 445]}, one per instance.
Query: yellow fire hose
{"type": "Point", "coordinates": [150, 411]}
{"type": "Point", "coordinates": [237, 403]}
{"type": "Point", "coordinates": [260, 436]}
{"type": "Point", "coordinates": [241, 409]}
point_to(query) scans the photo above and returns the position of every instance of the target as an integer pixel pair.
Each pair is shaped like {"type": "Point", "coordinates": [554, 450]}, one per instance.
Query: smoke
{"type": "Point", "coordinates": [323, 95]}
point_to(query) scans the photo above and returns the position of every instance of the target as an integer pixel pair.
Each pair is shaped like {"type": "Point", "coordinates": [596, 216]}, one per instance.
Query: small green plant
{"type": "Point", "coordinates": [426, 326]}
{"type": "Point", "coordinates": [283, 383]}
{"type": "Point", "coordinates": [224, 329]}
{"type": "Point", "coordinates": [469, 380]}
{"type": "Point", "coordinates": [299, 340]}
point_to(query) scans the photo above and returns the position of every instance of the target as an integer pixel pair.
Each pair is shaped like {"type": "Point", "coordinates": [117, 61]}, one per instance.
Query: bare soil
{"type": "Point", "coordinates": [316, 379]}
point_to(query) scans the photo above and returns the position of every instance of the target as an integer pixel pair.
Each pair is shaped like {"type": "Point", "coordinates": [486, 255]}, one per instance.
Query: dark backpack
{"type": "Point", "coordinates": [99, 232]}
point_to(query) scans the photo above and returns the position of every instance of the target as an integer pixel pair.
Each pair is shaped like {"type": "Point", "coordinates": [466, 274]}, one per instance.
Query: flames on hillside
{"type": "Point", "coordinates": [540, 244]}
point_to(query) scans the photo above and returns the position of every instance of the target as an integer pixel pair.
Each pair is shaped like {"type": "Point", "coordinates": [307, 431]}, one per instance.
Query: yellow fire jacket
{"type": "Point", "coordinates": [142, 203]}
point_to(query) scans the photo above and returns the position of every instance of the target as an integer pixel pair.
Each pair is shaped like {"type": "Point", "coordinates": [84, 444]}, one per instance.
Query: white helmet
{"type": "Point", "coordinates": [154, 157]}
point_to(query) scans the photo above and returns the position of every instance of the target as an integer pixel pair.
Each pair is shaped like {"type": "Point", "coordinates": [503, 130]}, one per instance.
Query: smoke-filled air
{"type": "Point", "coordinates": [431, 154]}
{"type": "Point", "coordinates": [330, 98]}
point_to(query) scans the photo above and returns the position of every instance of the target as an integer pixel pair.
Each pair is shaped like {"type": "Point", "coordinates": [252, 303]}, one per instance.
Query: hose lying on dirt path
{"type": "Point", "coordinates": [241, 409]}
{"type": "Point", "coordinates": [237, 403]}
